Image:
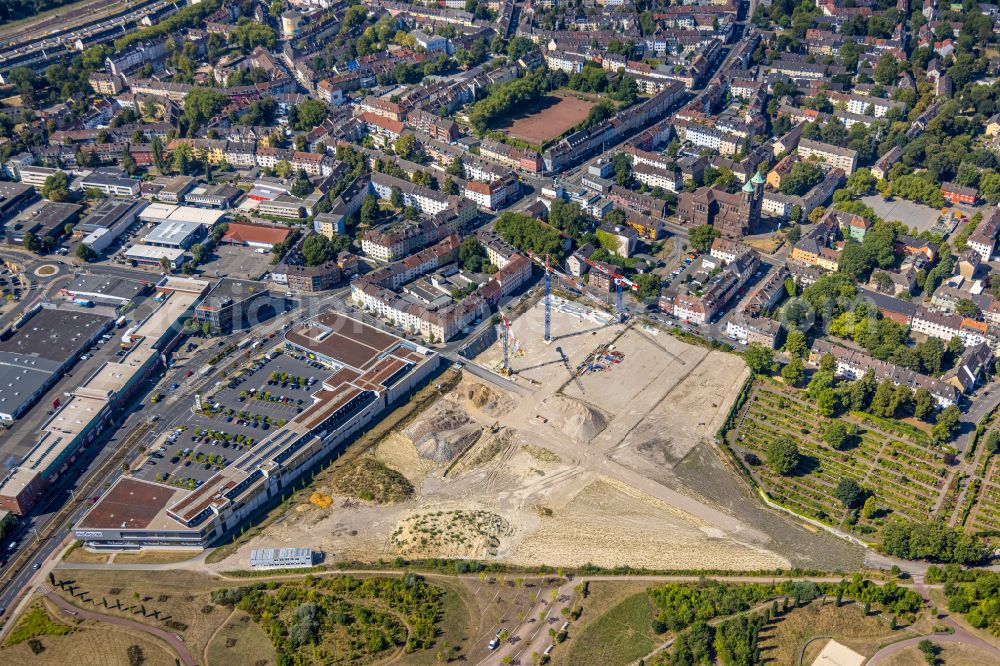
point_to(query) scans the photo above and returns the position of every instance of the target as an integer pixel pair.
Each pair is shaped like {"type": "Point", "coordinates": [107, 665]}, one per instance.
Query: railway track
{"type": "Point", "coordinates": [92, 483]}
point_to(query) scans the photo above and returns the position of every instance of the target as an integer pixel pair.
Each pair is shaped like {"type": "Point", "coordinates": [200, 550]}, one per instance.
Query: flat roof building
{"type": "Point", "coordinates": [281, 558]}
{"type": "Point", "coordinates": [114, 291]}
{"type": "Point", "coordinates": [234, 305]}
{"type": "Point", "coordinates": [158, 213]}
{"type": "Point", "coordinates": [38, 353]}
{"type": "Point", "coordinates": [181, 235]}
{"type": "Point", "coordinates": [369, 370]}
{"type": "Point", "coordinates": [111, 185]}
{"type": "Point", "coordinates": [150, 255]}
{"type": "Point", "coordinates": [44, 218]}
{"type": "Point", "coordinates": [15, 197]}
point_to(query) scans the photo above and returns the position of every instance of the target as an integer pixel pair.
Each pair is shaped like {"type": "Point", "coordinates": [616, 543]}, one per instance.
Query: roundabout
{"type": "Point", "coordinates": [46, 270]}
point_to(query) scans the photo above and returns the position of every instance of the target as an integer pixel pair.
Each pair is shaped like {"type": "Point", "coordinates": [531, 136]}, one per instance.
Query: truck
{"type": "Point", "coordinates": [83, 302]}
{"type": "Point", "coordinates": [120, 322]}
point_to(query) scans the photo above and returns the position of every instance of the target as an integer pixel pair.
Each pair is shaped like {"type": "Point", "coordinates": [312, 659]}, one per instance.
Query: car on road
{"type": "Point", "coordinates": [174, 386]}
{"type": "Point", "coordinates": [36, 566]}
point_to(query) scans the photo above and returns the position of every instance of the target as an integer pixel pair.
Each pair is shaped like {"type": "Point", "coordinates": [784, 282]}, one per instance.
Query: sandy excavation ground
{"type": "Point", "coordinates": [611, 466]}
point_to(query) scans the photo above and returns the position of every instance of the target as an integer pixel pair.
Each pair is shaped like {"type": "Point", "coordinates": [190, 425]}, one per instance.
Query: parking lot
{"type": "Point", "coordinates": [265, 395]}
{"type": "Point", "coordinates": [236, 261]}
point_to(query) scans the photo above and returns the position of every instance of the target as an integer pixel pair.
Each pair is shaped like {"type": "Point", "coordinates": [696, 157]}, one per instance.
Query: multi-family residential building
{"type": "Point", "coordinates": [853, 364]}
{"type": "Point", "coordinates": [842, 158]}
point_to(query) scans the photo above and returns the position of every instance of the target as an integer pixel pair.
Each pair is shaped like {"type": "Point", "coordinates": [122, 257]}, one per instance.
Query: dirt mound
{"type": "Point", "coordinates": [454, 533]}
{"type": "Point", "coordinates": [444, 447]}
{"type": "Point", "coordinates": [485, 399]}
{"type": "Point", "coordinates": [575, 419]}
{"type": "Point", "coordinates": [447, 419]}
{"type": "Point", "coordinates": [372, 481]}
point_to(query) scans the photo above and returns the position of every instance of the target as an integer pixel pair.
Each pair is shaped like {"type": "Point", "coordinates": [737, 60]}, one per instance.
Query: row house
{"type": "Point", "coordinates": [709, 137]}
{"type": "Point", "coordinates": [515, 158]}
{"type": "Point", "coordinates": [728, 250]}
{"type": "Point", "coordinates": [377, 106]}
{"type": "Point", "coordinates": [638, 202]}
{"type": "Point", "coordinates": [945, 326]}
{"type": "Point", "coordinates": [854, 364]}
{"type": "Point", "coordinates": [424, 199]}
{"type": "Point", "coordinates": [382, 127]}
{"type": "Point", "coordinates": [498, 251]}
{"type": "Point", "coordinates": [983, 239]}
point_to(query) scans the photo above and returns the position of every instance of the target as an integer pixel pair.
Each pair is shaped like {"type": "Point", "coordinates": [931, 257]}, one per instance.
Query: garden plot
{"type": "Point", "coordinates": [985, 515]}
{"type": "Point", "coordinates": [908, 475]}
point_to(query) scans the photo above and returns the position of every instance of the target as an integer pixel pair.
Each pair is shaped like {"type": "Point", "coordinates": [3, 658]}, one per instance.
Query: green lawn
{"type": "Point", "coordinates": [620, 636]}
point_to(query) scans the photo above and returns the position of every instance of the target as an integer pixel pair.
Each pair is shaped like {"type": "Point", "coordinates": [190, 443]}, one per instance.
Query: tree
{"type": "Point", "coordinates": [623, 168]}
{"type": "Point", "coordinates": [86, 253]}
{"type": "Point", "coordinates": [837, 435]}
{"type": "Point", "coordinates": [795, 343]}
{"type": "Point", "coordinates": [310, 114]}
{"type": "Point", "coordinates": [782, 455]}
{"type": "Point", "coordinates": [56, 187]}
{"type": "Point", "coordinates": [302, 187]}
{"type": "Point", "coordinates": [248, 35]}
{"type": "Point", "coordinates": [700, 238]}
{"type": "Point", "coordinates": [200, 105]}
{"type": "Point", "coordinates": [850, 494]}
{"type": "Point", "coordinates": [947, 421]}
{"type": "Point", "coordinates": [369, 210]}
{"type": "Point", "coordinates": [801, 178]}
{"type": "Point", "coordinates": [759, 358]}
{"type": "Point", "coordinates": [283, 168]}
{"type": "Point", "coordinates": [870, 508]}
{"type": "Point", "coordinates": [32, 242]}
{"type": "Point", "coordinates": [649, 286]}
{"type": "Point", "coordinates": [967, 308]}
{"type": "Point", "coordinates": [923, 404]}
{"type": "Point", "coordinates": [317, 249]}
{"type": "Point", "coordinates": [471, 255]}
{"type": "Point", "coordinates": [396, 197]}
{"type": "Point", "coordinates": [157, 148]}
{"type": "Point", "coordinates": [164, 264]}
{"type": "Point", "coordinates": [793, 373]}
{"type": "Point", "coordinates": [930, 651]}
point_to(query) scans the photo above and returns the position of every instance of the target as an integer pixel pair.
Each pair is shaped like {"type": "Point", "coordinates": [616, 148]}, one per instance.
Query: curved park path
{"type": "Point", "coordinates": [964, 638]}
{"type": "Point", "coordinates": [172, 639]}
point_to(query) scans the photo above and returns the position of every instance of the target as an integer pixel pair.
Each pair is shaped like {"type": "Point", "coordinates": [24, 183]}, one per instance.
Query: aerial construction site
{"type": "Point", "coordinates": [597, 449]}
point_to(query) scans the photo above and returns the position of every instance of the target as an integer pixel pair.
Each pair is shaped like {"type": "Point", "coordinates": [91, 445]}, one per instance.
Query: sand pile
{"type": "Point", "coordinates": [487, 400]}
{"type": "Point", "coordinates": [574, 418]}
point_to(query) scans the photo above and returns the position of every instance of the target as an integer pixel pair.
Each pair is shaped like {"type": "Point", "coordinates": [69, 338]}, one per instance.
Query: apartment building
{"type": "Point", "coordinates": [842, 158]}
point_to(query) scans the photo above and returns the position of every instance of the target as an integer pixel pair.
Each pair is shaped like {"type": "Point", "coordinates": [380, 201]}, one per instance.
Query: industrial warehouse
{"type": "Point", "coordinates": [370, 370]}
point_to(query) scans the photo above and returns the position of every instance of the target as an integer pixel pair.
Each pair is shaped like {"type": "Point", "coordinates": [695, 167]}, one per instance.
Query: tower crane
{"type": "Point", "coordinates": [620, 282]}
{"type": "Point", "coordinates": [548, 307]}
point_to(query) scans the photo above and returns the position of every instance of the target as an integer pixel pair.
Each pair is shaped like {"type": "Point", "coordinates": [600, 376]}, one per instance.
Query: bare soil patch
{"type": "Point", "coordinates": [550, 117]}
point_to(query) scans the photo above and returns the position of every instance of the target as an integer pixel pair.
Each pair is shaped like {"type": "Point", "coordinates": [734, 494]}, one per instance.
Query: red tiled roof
{"type": "Point", "coordinates": [254, 233]}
